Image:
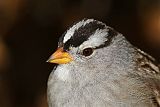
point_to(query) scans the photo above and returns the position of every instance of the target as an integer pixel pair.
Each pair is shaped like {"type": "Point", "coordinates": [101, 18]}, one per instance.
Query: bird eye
{"type": "Point", "coordinates": [87, 51]}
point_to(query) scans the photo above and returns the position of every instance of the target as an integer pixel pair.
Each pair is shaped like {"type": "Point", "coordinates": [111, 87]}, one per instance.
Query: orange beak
{"type": "Point", "coordinates": [60, 57]}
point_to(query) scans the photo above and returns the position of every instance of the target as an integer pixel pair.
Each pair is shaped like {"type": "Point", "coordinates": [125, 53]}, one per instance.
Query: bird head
{"type": "Point", "coordinates": [84, 42]}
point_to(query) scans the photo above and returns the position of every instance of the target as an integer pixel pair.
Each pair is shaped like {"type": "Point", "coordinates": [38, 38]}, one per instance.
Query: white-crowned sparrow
{"type": "Point", "coordinates": [100, 68]}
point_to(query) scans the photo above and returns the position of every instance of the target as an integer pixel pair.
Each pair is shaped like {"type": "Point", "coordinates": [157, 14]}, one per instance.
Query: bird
{"type": "Point", "coordinates": [98, 67]}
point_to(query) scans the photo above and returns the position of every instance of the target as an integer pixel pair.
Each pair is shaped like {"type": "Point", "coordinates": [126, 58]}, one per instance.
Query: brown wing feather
{"type": "Point", "coordinates": [149, 68]}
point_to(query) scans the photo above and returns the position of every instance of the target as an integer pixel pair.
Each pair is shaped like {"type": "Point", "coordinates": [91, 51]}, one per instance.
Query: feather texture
{"type": "Point", "coordinates": [116, 74]}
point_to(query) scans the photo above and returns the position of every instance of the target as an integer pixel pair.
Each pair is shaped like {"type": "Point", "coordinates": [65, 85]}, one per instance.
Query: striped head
{"type": "Point", "coordinates": [81, 41]}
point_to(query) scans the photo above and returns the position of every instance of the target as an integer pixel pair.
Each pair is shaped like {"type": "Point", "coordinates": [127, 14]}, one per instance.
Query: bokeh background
{"type": "Point", "coordinates": [29, 30]}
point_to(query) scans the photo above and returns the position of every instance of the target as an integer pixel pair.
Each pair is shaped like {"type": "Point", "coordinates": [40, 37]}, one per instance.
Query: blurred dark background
{"type": "Point", "coordinates": [29, 30]}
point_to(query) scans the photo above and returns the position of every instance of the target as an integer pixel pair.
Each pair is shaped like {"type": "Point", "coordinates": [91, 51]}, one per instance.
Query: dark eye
{"type": "Point", "coordinates": [87, 51]}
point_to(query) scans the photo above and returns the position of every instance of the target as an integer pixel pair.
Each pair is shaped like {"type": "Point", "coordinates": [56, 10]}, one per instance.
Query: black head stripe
{"type": "Point", "coordinates": [63, 35]}
{"type": "Point", "coordinates": [111, 34]}
{"type": "Point", "coordinates": [83, 33]}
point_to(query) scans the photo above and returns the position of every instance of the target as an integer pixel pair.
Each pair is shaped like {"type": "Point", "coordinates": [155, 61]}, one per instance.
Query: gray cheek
{"type": "Point", "coordinates": [103, 57]}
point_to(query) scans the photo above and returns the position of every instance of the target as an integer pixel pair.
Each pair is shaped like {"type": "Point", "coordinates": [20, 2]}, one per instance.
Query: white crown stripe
{"type": "Point", "coordinates": [71, 31]}
{"type": "Point", "coordinates": [93, 41]}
